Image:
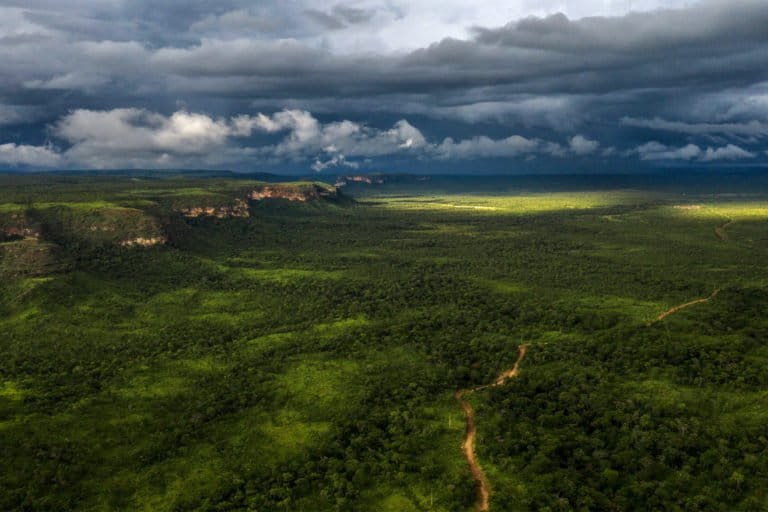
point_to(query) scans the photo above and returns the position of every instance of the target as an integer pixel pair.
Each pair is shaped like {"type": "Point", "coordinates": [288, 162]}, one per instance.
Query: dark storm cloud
{"type": "Point", "coordinates": [678, 78]}
{"type": "Point", "coordinates": [701, 47]}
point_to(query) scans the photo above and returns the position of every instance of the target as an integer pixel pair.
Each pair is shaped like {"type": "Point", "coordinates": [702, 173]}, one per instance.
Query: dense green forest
{"type": "Point", "coordinates": [181, 343]}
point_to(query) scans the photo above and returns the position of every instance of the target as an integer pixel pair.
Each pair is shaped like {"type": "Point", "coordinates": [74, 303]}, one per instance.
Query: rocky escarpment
{"type": "Point", "coordinates": [299, 192]}
{"type": "Point", "coordinates": [239, 208]}
{"type": "Point", "coordinates": [82, 225]}
{"type": "Point", "coordinates": [19, 232]}
{"type": "Point", "coordinates": [141, 241]}
{"type": "Point", "coordinates": [359, 178]}
{"type": "Point", "coordinates": [378, 179]}
{"type": "Point", "coordinates": [18, 226]}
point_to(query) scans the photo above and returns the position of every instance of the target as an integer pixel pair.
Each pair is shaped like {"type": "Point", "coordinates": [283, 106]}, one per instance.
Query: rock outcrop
{"type": "Point", "coordinates": [300, 193]}
{"type": "Point", "coordinates": [378, 179]}
{"type": "Point", "coordinates": [359, 178]}
{"type": "Point", "coordinates": [141, 241]}
{"type": "Point", "coordinates": [18, 226]}
{"type": "Point", "coordinates": [20, 232]}
{"type": "Point", "coordinates": [239, 208]}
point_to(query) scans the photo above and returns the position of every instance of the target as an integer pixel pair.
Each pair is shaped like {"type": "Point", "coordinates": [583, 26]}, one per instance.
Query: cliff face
{"type": "Point", "coordinates": [239, 208]}
{"type": "Point", "coordinates": [359, 178]}
{"type": "Point", "coordinates": [141, 241]}
{"type": "Point", "coordinates": [82, 225]}
{"type": "Point", "coordinates": [17, 226]}
{"type": "Point", "coordinates": [378, 179]}
{"type": "Point", "coordinates": [300, 193]}
{"type": "Point", "coordinates": [20, 232]}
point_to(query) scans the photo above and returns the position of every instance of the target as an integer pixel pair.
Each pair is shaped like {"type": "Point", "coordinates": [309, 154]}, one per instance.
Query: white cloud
{"type": "Point", "coordinates": [35, 156]}
{"type": "Point", "coordinates": [729, 152]}
{"type": "Point", "coordinates": [335, 161]}
{"type": "Point", "coordinates": [130, 137]}
{"type": "Point", "coordinates": [581, 145]}
{"type": "Point", "coordinates": [657, 151]}
{"type": "Point", "coordinates": [306, 136]}
{"type": "Point", "coordinates": [120, 131]}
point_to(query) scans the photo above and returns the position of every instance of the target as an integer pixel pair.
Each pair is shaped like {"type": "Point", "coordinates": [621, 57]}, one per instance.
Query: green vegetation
{"type": "Point", "coordinates": [305, 357]}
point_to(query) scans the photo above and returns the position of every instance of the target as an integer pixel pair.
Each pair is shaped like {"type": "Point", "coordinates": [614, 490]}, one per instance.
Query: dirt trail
{"type": "Point", "coordinates": [720, 230]}
{"type": "Point", "coordinates": [469, 440]}
{"type": "Point", "coordinates": [675, 309]}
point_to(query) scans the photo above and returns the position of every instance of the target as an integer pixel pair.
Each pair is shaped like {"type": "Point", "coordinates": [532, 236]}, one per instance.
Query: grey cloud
{"type": "Point", "coordinates": [328, 21]}
{"type": "Point", "coordinates": [562, 113]}
{"type": "Point", "coordinates": [581, 145]}
{"type": "Point", "coordinates": [512, 146]}
{"type": "Point", "coordinates": [752, 128]}
{"type": "Point", "coordinates": [656, 151]}
{"type": "Point", "coordinates": [729, 152]}
{"type": "Point", "coordinates": [353, 15]}
{"type": "Point", "coordinates": [521, 58]}
{"type": "Point", "coordinates": [655, 32]}
{"type": "Point", "coordinates": [263, 20]}
{"type": "Point", "coordinates": [340, 16]}
{"type": "Point", "coordinates": [484, 147]}
{"type": "Point", "coordinates": [696, 74]}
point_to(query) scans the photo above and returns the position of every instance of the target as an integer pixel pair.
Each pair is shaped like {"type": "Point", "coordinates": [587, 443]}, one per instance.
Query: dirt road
{"type": "Point", "coordinates": [675, 309]}
{"type": "Point", "coordinates": [468, 447]}
{"type": "Point", "coordinates": [720, 230]}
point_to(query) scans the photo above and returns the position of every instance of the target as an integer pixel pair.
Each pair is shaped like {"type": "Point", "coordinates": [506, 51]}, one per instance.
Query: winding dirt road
{"type": "Point", "coordinates": [720, 230]}
{"type": "Point", "coordinates": [675, 309]}
{"type": "Point", "coordinates": [468, 447]}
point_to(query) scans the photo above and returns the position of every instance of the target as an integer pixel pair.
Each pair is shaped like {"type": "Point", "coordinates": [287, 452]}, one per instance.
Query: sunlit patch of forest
{"type": "Point", "coordinates": [305, 357]}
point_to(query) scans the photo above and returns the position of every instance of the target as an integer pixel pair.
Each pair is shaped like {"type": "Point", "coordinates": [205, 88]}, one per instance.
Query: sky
{"type": "Point", "coordinates": [303, 86]}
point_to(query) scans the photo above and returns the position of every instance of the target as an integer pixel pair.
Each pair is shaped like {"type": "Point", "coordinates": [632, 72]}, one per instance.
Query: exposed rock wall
{"type": "Point", "coordinates": [300, 193]}
{"type": "Point", "coordinates": [239, 208]}
{"type": "Point", "coordinates": [140, 241]}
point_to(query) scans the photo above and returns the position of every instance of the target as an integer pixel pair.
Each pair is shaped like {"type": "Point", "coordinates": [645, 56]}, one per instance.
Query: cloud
{"type": "Point", "coordinates": [729, 152]}
{"type": "Point", "coordinates": [474, 74]}
{"type": "Point", "coordinates": [580, 145]}
{"type": "Point", "coordinates": [657, 151]}
{"type": "Point", "coordinates": [484, 147]}
{"type": "Point", "coordinates": [515, 145]}
{"type": "Point", "coordinates": [69, 81]}
{"type": "Point", "coordinates": [34, 156]}
{"type": "Point", "coordinates": [306, 135]}
{"type": "Point", "coordinates": [132, 130]}
{"type": "Point", "coordinates": [131, 137]}
{"type": "Point", "coordinates": [264, 20]}
{"type": "Point", "coordinates": [560, 113]}
{"type": "Point", "coordinates": [340, 17]}
{"type": "Point", "coordinates": [335, 161]}
{"type": "Point", "coordinates": [752, 128]}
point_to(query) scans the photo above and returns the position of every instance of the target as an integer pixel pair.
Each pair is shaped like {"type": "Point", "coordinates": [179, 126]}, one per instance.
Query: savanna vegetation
{"type": "Point", "coordinates": [305, 357]}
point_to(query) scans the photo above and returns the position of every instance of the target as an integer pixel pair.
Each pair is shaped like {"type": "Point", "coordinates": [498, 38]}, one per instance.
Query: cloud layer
{"type": "Point", "coordinates": [361, 82]}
